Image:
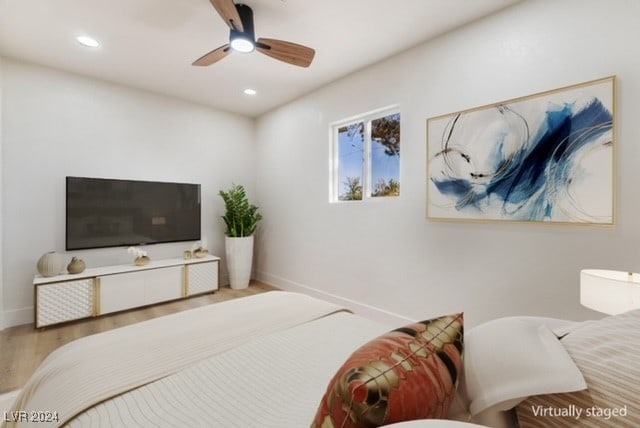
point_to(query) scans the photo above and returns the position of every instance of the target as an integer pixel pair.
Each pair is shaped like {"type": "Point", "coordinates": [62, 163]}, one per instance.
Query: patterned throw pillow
{"type": "Point", "coordinates": [408, 373]}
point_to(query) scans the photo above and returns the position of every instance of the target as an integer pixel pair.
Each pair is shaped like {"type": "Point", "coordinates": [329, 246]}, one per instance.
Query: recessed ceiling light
{"type": "Point", "coordinates": [87, 41]}
{"type": "Point", "coordinates": [250, 91]}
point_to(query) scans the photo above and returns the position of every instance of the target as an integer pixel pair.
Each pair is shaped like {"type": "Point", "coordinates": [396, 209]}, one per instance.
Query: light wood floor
{"type": "Point", "coordinates": [23, 348]}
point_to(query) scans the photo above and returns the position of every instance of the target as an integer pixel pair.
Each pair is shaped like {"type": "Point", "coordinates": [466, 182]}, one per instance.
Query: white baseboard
{"type": "Point", "coordinates": [364, 310]}
{"type": "Point", "coordinates": [14, 317]}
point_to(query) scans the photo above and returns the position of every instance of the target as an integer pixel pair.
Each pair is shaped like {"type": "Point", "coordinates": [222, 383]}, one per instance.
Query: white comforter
{"type": "Point", "coordinates": [276, 381]}
{"type": "Point", "coordinates": [96, 368]}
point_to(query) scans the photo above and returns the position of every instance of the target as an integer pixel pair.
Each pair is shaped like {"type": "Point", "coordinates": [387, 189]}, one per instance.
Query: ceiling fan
{"type": "Point", "coordinates": [239, 18]}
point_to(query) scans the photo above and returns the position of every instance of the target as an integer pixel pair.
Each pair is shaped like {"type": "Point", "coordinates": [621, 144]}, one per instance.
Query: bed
{"type": "Point", "coordinates": [272, 360]}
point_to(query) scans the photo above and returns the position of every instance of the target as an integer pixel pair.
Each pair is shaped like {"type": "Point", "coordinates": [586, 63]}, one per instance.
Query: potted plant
{"type": "Point", "coordinates": [241, 219]}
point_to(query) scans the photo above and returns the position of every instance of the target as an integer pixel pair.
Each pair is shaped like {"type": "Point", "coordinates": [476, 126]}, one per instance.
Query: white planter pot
{"type": "Point", "coordinates": [239, 252]}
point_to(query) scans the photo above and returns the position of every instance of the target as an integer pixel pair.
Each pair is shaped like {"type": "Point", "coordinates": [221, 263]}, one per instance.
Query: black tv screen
{"type": "Point", "coordinates": [109, 213]}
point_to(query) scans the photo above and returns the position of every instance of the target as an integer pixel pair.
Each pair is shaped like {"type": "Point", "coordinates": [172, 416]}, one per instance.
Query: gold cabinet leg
{"type": "Point", "coordinates": [185, 281]}
{"type": "Point", "coordinates": [96, 297]}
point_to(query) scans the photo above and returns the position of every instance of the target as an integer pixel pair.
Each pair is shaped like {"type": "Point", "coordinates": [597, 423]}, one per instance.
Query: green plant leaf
{"type": "Point", "coordinates": [241, 217]}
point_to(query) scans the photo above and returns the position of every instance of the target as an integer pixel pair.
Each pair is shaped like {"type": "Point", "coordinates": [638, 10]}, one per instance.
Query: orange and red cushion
{"type": "Point", "coordinates": [406, 374]}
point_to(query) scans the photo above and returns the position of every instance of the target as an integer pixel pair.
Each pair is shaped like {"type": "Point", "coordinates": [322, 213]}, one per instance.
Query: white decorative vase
{"type": "Point", "coordinates": [239, 252]}
{"type": "Point", "coordinates": [50, 264]}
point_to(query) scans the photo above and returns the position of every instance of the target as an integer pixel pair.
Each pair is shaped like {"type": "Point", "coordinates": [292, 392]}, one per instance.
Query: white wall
{"type": "Point", "coordinates": [57, 124]}
{"type": "Point", "coordinates": [386, 254]}
{"type": "Point", "coordinates": [1, 214]}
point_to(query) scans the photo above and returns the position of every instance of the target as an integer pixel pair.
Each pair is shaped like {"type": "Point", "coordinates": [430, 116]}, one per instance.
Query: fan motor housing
{"type": "Point", "coordinates": [246, 16]}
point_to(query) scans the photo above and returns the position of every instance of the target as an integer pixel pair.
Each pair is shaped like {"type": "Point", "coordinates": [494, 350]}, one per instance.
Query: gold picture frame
{"type": "Point", "coordinates": [547, 157]}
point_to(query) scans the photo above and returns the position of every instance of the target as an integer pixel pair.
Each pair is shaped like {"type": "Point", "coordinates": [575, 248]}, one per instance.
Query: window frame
{"type": "Point", "coordinates": [367, 174]}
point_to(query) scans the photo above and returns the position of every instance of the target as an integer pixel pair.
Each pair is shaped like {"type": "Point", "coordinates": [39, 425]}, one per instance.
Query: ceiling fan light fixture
{"type": "Point", "coordinates": [239, 18]}
{"type": "Point", "coordinates": [243, 41]}
{"type": "Point", "coordinates": [241, 44]}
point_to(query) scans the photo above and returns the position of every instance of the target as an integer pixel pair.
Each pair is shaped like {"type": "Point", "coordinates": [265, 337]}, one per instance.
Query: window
{"type": "Point", "coordinates": [365, 157]}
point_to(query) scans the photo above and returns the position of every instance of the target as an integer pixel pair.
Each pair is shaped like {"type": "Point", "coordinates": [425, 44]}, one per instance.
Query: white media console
{"type": "Point", "coordinates": [108, 289]}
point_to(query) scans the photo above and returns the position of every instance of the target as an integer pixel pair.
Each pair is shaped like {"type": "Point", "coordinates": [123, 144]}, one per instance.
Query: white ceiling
{"type": "Point", "coordinates": [151, 44]}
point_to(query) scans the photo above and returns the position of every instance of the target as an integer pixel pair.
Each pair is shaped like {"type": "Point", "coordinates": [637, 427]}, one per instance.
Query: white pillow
{"type": "Point", "coordinates": [508, 359]}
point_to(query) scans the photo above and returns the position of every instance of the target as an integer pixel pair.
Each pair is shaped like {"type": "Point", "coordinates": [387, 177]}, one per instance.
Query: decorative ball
{"type": "Point", "coordinates": [50, 264]}
{"type": "Point", "coordinates": [76, 265]}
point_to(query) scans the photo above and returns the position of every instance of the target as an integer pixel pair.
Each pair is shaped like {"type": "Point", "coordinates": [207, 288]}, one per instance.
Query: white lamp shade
{"type": "Point", "coordinates": [608, 291]}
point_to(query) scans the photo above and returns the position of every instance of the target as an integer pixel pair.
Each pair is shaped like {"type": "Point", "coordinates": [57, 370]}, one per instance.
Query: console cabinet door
{"type": "Point", "coordinates": [201, 277]}
{"type": "Point", "coordinates": [121, 291]}
{"type": "Point", "coordinates": [64, 301]}
{"type": "Point", "coordinates": [133, 289]}
{"type": "Point", "coordinates": [163, 284]}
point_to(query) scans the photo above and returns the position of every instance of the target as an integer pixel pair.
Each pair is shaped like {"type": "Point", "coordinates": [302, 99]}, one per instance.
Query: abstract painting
{"type": "Point", "coordinates": [546, 157]}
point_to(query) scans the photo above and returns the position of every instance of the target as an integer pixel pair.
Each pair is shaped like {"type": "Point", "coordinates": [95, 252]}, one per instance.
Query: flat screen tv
{"type": "Point", "coordinates": [109, 213]}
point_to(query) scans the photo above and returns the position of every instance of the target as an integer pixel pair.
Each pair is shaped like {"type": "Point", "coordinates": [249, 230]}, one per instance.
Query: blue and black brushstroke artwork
{"type": "Point", "coordinates": [510, 162]}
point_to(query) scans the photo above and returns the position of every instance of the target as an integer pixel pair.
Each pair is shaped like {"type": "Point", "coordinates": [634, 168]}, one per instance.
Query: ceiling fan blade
{"type": "Point", "coordinates": [288, 52]}
{"type": "Point", "coordinates": [227, 10]}
{"type": "Point", "coordinates": [213, 56]}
